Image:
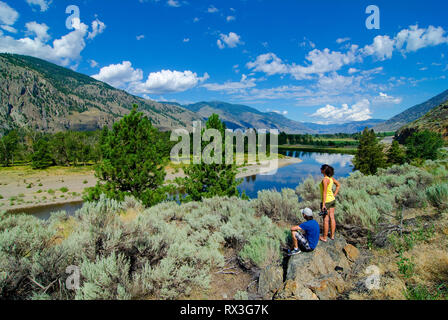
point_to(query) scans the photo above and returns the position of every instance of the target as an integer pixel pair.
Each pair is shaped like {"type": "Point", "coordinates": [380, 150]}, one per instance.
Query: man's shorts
{"type": "Point", "coordinates": [303, 243]}
{"type": "Point", "coordinates": [329, 205]}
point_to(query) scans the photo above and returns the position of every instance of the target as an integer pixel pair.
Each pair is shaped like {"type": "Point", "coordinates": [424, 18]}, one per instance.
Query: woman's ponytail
{"type": "Point", "coordinates": [328, 170]}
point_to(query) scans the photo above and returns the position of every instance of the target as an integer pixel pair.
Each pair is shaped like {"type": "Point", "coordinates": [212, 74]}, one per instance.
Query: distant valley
{"type": "Point", "coordinates": [240, 116]}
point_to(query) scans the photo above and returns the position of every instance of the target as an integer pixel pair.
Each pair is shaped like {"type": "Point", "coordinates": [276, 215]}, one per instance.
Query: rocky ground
{"type": "Point", "coordinates": [388, 264]}
{"type": "Point", "coordinates": [324, 274]}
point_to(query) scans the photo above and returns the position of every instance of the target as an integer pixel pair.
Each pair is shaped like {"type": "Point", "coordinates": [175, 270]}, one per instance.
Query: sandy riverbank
{"type": "Point", "coordinates": [22, 187]}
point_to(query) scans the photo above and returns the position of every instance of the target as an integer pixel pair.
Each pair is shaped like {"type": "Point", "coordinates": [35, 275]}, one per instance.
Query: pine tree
{"type": "Point", "coordinates": [395, 154]}
{"type": "Point", "coordinates": [41, 157]}
{"type": "Point", "coordinates": [369, 156]}
{"type": "Point", "coordinates": [8, 146]}
{"type": "Point", "coordinates": [424, 145]}
{"type": "Point", "coordinates": [133, 161]}
{"type": "Point", "coordinates": [209, 180]}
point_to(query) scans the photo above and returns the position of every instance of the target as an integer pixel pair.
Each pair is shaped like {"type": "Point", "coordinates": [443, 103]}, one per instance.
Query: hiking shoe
{"type": "Point", "coordinates": [294, 252]}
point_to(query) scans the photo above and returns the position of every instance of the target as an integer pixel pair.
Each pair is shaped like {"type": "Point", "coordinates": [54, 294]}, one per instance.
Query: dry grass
{"type": "Point", "coordinates": [224, 286]}
{"type": "Point", "coordinates": [64, 229]}
{"type": "Point", "coordinates": [129, 215]}
{"type": "Point", "coordinates": [430, 266]}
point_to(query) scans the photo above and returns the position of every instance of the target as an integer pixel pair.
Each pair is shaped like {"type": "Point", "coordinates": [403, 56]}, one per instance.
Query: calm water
{"type": "Point", "coordinates": [44, 212]}
{"type": "Point", "coordinates": [291, 176]}
{"type": "Point", "coordinates": [287, 177]}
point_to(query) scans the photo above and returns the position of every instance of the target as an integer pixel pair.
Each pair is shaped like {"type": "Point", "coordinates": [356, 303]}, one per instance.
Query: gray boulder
{"type": "Point", "coordinates": [320, 273]}
{"type": "Point", "coordinates": [270, 280]}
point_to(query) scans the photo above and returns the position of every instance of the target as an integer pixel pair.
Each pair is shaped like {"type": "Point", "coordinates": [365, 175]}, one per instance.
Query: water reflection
{"type": "Point", "coordinates": [287, 177]}
{"type": "Point", "coordinates": [44, 212]}
{"type": "Point", "coordinates": [333, 159]}
{"type": "Point", "coordinates": [291, 176]}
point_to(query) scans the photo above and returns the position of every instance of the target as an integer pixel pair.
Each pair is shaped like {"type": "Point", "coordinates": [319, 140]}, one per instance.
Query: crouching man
{"type": "Point", "coordinates": [305, 237]}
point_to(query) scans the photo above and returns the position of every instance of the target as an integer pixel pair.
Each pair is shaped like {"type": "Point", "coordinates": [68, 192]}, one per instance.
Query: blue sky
{"type": "Point", "coordinates": [309, 60]}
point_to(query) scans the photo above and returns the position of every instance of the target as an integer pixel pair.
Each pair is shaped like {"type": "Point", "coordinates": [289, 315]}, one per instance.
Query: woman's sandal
{"type": "Point", "coordinates": [322, 239]}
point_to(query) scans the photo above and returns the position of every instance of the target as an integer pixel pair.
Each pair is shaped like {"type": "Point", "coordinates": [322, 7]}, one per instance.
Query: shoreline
{"type": "Point", "coordinates": [256, 169]}
{"type": "Point", "coordinates": [318, 149]}
{"type": "Point", "coordinates": [43, 206]}
{"type": "Point", "coordinates": [32, 187]}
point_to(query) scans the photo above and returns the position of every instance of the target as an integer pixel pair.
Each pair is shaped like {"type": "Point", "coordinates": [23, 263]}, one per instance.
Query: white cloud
{"type": "Point", "coordinates": [342, 40]}
{"type": "Point", "coordinates": [8, 16]}
{"type": "Point", "coordinates": [173, 3]}
{"type": "Point", "coordinates": [306, 42]}
{"type": "Point", "coordinates": [186, 40]}
{"type": "Point", "coordinates": [331, 159]}
{"type": "Point", "coordinates": [97, 28]}
{"type": "Point", "coordinates": [372, 71]}
{"type": "Point", "coordinates": [382, 47]}
{"type": "Point", "coordinates": [8, 28]}
{"type": "Point", "coordinates": [140, 37]}
{"type": "Point", "coordinates": [212, 9]}
{"type": "Point", "coordinates": [38, 29]}
{"type": "Point", "coordinates": [268, 63]}
{"type": "Point", "coordinates": [385, 98]}
{"type": "Point", "coordinates": [43, 4]}
{"type": "Point", "coordinates": [407, 40]}
{"type": "Point", "coordinates": [124, 76]}
{"type": "Point", "coordinates": [230, 86]}
{"type": "Point", "coordinates": [62, 51]}
{"type": "Point", "coordinates": [319, 63]}
{"type": "Point", "coordinates": [415, 38]}
{"type": "Point", "coordinates": [231, 40]}
{"type": "Point", "coordinates": [93, 63]}
{"type": "Point", "coordinates": [324, 61]}
{"type": "Point", "coordinates": [167, 81]}
{"type": "Point", "coordinates": [284, 112]}
{"type": "Point", "coordinates": [357, 112]}
{"type": "Point", "coordinates": [119, 75]}
{"type": "Point", "coordinates": [282, 92]}
{"type": "Point", "coordinates": [230, 18]}
{"type": "Point", "coordinates": [335, 83]}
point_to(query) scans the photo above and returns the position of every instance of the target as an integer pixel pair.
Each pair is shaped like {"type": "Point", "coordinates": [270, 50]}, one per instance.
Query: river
{"type": "Point", "coordinates": [286, 177]}
{"type": "Point", "coordinates": [291, 176]}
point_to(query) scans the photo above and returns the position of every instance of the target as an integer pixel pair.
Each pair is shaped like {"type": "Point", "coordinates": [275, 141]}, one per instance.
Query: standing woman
{"type": "Point", "coordinates": [328, 199]}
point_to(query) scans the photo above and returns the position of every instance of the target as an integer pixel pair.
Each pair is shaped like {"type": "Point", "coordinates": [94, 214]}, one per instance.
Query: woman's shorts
{"type": "Point", "coordinates": [329, 205]}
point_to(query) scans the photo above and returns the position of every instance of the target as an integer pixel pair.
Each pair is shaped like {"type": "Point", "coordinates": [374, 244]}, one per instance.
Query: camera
{"type": "Point", "coordinates": [323, 213]}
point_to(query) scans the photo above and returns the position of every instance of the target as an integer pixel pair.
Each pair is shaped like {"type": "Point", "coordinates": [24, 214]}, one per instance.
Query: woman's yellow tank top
{"type": "Point", "coordinates": [330, 196]}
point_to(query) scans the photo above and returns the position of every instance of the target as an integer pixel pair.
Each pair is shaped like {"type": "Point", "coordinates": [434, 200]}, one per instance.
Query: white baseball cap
{"type": "Point", "coordinates": [307, 211]}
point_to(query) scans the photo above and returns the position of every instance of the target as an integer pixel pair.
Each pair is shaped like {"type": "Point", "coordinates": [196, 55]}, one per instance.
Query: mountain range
{"type": "Point", "coordinates": [435, 120]}
{"type": "Point", "coordinates": [46, 97]}
{"type": "Point", "coordinates": [240, 116]}
{"type": "Point", "coordinates": [411, 114]}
